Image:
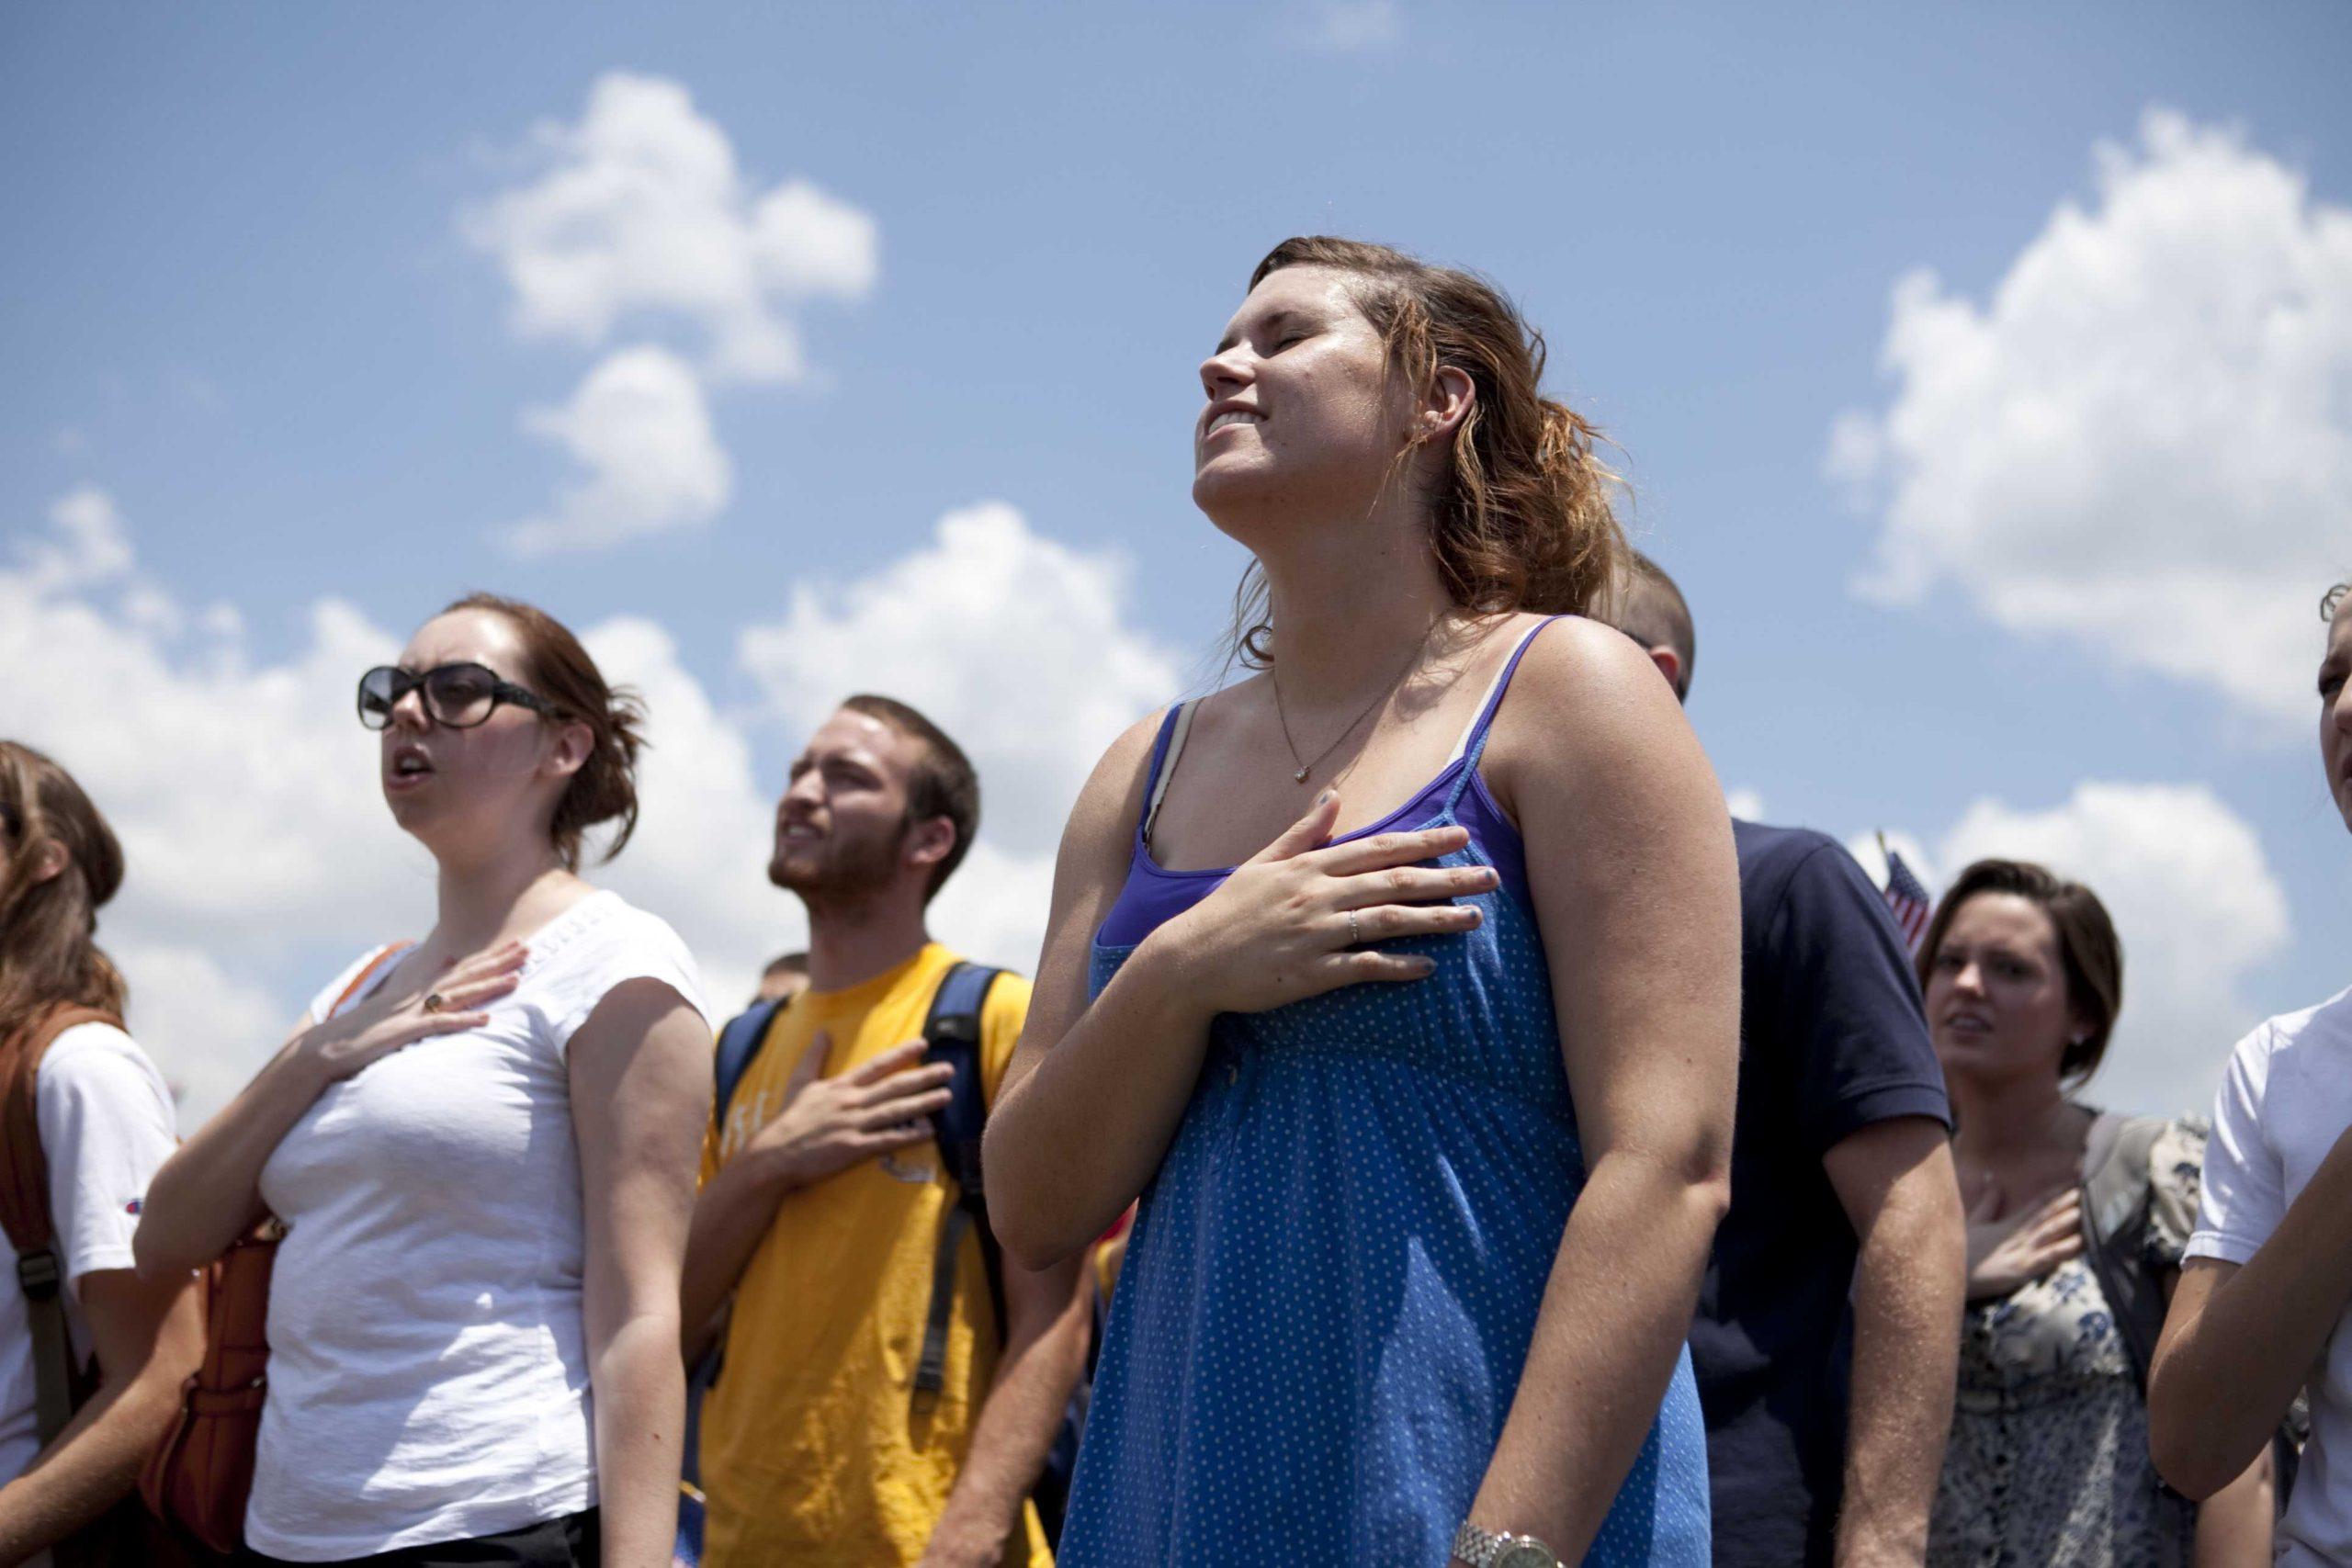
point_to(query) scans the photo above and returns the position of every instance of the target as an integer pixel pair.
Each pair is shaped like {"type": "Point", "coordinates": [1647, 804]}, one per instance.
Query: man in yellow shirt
{"type": "Point", "coordinates": [823, 1201]}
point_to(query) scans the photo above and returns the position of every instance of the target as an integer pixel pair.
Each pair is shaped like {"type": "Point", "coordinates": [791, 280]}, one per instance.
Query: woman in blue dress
{"type": "Point", "coordinates": [1427, 1099]}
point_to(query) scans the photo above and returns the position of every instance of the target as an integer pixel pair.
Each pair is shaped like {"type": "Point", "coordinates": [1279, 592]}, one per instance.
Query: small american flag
{"type": "Point", "coordinates": [1907, 898]}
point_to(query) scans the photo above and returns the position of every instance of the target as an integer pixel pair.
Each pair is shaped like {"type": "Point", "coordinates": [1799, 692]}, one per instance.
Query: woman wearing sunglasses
{"type": "Point", "coordinates": [483, 1149]}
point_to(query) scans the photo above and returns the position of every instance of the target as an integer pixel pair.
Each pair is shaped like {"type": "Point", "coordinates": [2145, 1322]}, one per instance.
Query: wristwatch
{"type": "Point", "coordinates": [1484, 1549]}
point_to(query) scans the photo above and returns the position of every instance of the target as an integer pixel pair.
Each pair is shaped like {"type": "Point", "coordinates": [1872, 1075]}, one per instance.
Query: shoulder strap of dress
{"type": "Point", "coordinates": [1172, 730]}
{"type": "Point", "coordinates": [1473, 739]}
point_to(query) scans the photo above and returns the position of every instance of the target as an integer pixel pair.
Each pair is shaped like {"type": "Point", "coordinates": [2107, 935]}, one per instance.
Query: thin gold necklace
{"type": "Point", "coordinates": [1274, 674]}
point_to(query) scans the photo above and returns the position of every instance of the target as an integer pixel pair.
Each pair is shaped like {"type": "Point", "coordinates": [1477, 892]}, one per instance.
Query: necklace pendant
{"type": "Point", "coordinates": [1300, 775]}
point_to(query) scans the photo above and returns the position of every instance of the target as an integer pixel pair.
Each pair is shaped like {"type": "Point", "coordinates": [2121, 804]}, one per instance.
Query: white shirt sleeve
{"type": "Point", "coordinates": [631, 945]}
{"type": "Point", "coordinates": [2245, 1194]}
{"type": "Point", "coordinates": [107, 1125]}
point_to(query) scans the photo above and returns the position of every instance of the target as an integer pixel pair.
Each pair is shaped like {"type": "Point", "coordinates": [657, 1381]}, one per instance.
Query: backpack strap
{"type": "Point", "coordinates": [739, 1046]}
{"type": "Point", "coordinates": [2115, 1198]}
{"type": "Point", "coordinates": [24, 1212]}
{"type": "Point", "coordinates": [953, 1034]}
{"type": "Point", "coordinates": [739, 1042]}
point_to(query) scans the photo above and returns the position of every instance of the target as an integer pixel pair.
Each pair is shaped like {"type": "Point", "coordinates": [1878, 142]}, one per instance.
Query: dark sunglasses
{"type": "Point", "coordinates": [458, 696]}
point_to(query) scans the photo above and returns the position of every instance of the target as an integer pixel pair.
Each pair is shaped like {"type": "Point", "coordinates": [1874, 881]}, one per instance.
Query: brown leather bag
{"type": "Point", "coordinates": [198, 1478]}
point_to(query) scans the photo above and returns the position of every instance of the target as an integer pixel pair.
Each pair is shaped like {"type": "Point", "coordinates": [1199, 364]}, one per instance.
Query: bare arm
{"type": "Point", "coordinates": [826, 1125]}
{"type": "Point", "coordinates": [2240, 1340]}
{"type": "Point", "coordinates": [640, 1080]}
{"type": "Point", "coordinates": [1636, 891]}
{"type": "Point", "coordinates": [1896, 1182]}
{"type": "Point", "coordinates": [148, 1337]}
{"type": "Point", "coordinates": [1096, 1092]}
{"type": "Point", "coordinates": [1045, 1349]}
{"type": "Point", "coordinates": [1053, 1165]}
{"type": "Point", "coordinates": [2234, 1525]}
{"type": "Point", "coordinates": [208, 1193]}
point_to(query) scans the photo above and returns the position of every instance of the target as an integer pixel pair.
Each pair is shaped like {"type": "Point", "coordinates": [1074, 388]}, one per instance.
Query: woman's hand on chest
{"type": "Point", "coordinates": [2008, 1251]}
{"type": "Point", "coordinates": [451, 1003]}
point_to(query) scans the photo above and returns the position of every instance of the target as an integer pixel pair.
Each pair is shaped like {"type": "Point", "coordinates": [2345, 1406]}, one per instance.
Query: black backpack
{"type": "Point", "coordinates": [951, 1033]}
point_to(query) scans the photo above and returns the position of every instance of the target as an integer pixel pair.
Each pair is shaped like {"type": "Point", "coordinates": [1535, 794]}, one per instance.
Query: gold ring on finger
{"type": "Point", "coordinates": [435, 1001]}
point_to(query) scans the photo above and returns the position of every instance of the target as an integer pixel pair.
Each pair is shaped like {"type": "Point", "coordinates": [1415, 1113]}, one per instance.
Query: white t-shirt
{"type": "Point", "coordinates": [429, 1373]}
{"type": "Point", "coordinates": [105, 1127]}
{"type": "Point", "coordinates": [2283, 1104]}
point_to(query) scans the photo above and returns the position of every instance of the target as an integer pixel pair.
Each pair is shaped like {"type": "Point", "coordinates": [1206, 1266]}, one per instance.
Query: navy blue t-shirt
{"type": "Point", "coordinates": [1832, 1039]}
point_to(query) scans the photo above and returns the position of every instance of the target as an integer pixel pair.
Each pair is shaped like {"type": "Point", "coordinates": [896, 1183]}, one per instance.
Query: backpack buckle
{"type": "Point", "coordinates": [38, 1274]}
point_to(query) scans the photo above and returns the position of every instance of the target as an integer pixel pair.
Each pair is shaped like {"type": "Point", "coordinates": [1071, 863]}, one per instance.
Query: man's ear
{"type": "Point", "coordinates": [1670, 664]}
{"type": "Point", "coordinates": [930, 841]}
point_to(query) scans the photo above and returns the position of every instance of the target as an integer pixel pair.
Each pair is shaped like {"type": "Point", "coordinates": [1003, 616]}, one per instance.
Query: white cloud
{"type": "Point", "coordinates": [2193, 899]}
{"type": "Point", "coordinates": [2141, 440]}
{"type": "Point", "coordinates": [206, 1030]}
{"type": "Point", "coordinates": [1017, 646]}
{"type": "Point", "coordinates": [704, 822]}
{"type": "Point", "coordinates": [639, 426]}
{"type": "Point", "coordinates": [260, 856]}
{"type": "Point", "coordinates": [1745, 804]}
{"type": "Point", "coordinates": [641, 208]}
{"type": "Point", "coordinates": [1352, 26]}
{"type": "Point", "coordinates": [86, 543]}
{"type": "Point", "coordinates": [1013, 643]}
{"type": "Point", "coordinates": [244, 795]}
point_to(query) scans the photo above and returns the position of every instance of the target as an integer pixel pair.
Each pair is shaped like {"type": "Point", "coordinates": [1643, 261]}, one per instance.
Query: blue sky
{"type": "Point", "coordinates": [247, 304]}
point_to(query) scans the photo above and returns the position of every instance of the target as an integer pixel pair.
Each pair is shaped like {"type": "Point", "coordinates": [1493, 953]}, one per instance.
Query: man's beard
{"type": "Point", "coordinates": [843, 873]}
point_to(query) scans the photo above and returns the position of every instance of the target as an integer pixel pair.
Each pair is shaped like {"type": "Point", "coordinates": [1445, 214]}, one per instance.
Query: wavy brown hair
{"type": "Point", "coordinates": [1519, 516]}
{"type": "Point", "coordinates": [49, 950]}
{"type": "Point", "coordinates": [558, 669]}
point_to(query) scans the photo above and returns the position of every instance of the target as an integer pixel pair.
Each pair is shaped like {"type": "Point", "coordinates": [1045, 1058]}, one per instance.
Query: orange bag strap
{"type": "Point", "coordinates": [368, 972]}
{"type": "Point", "coordinates": [23, 1211]}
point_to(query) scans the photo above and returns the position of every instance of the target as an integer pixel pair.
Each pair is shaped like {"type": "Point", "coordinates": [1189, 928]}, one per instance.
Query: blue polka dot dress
{"type": "Point", "coordinates": [1334, 1277]}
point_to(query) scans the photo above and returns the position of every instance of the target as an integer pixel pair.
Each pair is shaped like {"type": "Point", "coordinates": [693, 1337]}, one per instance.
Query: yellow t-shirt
{"type": "Point", "coordinates": [812, 1450]}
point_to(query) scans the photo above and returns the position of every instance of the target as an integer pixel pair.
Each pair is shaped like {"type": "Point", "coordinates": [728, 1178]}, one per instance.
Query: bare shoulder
{"type": "Point", "coordinates": [1583, 666]}
{"type": "Point", "coordinates": [1112, 799]}
{"type": "Point", "coordinates": [1583, 688]}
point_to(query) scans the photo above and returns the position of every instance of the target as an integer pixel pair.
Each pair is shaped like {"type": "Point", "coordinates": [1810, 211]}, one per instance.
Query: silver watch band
{"type": "Point", "coordinates": [1484, 1549]}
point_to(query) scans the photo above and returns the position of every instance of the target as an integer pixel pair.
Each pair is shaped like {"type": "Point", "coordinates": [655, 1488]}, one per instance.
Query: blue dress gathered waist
{"type": "Point", "coordinates": [1334, 1277]}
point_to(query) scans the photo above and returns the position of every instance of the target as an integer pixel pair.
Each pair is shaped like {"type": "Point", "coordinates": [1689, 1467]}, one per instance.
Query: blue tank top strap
{"type": "Point", "coordinates": [1151, 790]}
{"type": "Point", "coordinates": [1476, 744]}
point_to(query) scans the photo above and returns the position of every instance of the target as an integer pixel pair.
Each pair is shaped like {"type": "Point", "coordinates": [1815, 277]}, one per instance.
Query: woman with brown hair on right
{"type": "Point", "coordinates": [2048, 1461]}
{"type": "Point", "coordinates": [1429, 1099]}
{"type": "Point", "coordinates": [84, 1114]}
